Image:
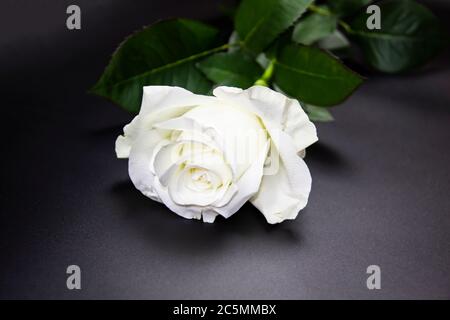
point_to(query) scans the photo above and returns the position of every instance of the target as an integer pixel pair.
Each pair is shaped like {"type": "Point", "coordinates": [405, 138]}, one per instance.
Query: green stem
{"type": "Point", "coordinates": [319, 10]}
{"type": "Point", "coordinates": [267, 75]}
{"type": "Point", "coordinates": [345, 26]}
{"type": "Point", "coordinates": [325, 12]}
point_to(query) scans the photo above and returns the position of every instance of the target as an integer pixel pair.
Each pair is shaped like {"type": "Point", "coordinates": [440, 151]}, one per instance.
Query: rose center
{"type": "Point", "coordinates": [200, 179]}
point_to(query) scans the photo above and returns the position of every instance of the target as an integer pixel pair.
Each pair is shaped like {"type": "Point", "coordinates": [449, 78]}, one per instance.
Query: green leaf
{"type": "Point", "coordinates": [231, 69]}
{"type": "Point", "coordinates": [314, 76]}
{"type": "Point", "coordinates": [233, 42]}
{"type": "Point", "coordinates": [263, 60]}
{"type": "Point", "coordinates": [260, 22]}
{"type": "Point", "coordinates": [313, 28]}
{"type": "Point", "coordinates": [335, 41]}
{"type": "Point", "coordinates": [283, 40]}
{"type": "Point", "coordinates": [317, 114]}
{"type": "Point", "coordinates": [409, 36]}
{"type": "Point", "coordinates": [162, 54]}
{"type": "Point", "coordinates": [347, 7]}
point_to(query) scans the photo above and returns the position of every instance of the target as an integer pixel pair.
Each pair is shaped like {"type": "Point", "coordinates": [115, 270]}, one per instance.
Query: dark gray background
{"type": "Point", "coordinates": [380, 181]}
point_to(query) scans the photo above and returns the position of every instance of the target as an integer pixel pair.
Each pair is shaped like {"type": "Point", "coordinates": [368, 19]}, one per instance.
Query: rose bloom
{"type": "Point", "coordinates": [204, 156]}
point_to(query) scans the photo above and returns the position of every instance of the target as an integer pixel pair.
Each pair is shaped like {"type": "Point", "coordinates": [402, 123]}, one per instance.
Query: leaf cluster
{"type": "Point", "coordinates": [290, 45]}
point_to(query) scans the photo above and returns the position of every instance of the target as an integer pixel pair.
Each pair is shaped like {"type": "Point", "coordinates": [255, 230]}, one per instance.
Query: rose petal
{"type": "Point", "coordinates": [209, 216]}
{"type": "Point", "coordinates": [141, 157]}
{"type": "Point", "coordinates": [284, 194]}
{"type": "Point", "coordinates": [124, 142]}
{"type": "Point", "coordinates": [238, 132]}
{"type": "Point", "coordinates": [247, 186]}
{"type": "Point", "coordinates": [164, 102]}
{"type": "Point", "coordinates": [276, 111]}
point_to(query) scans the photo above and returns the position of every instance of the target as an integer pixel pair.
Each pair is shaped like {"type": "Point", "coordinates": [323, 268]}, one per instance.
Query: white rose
{"type": "Point", "coordinates": [204, 156]}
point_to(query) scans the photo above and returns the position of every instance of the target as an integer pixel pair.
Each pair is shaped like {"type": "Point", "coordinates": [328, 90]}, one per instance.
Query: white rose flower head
{"type": "Point", "coordinates": [204, 156]}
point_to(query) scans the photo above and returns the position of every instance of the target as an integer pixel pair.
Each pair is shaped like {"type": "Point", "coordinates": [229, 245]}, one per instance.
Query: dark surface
{"type": "Point", "coordinates": [380, 182]}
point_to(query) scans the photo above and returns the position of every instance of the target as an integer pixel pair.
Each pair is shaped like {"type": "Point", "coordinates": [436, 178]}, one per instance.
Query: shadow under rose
{"type": "Point", "coordinates": [327, 158]}
{"type": "Point", "coordinates": [167, 230]}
